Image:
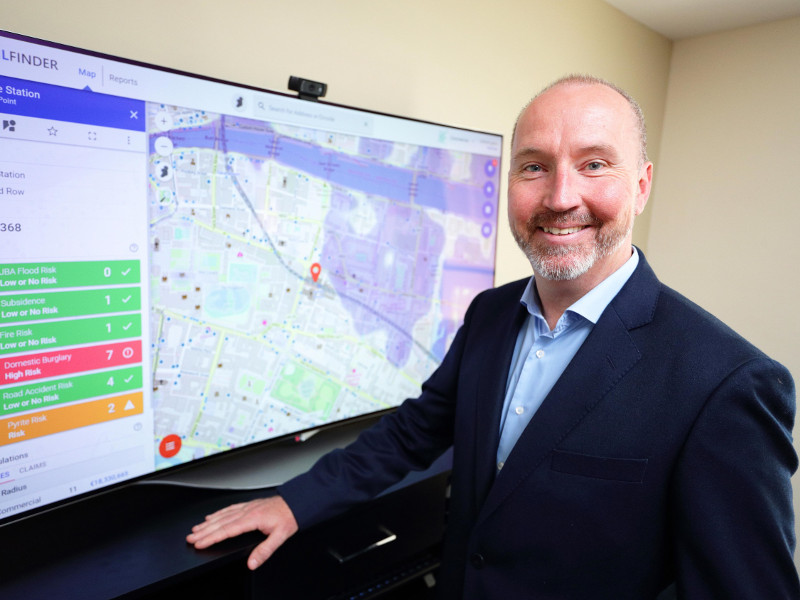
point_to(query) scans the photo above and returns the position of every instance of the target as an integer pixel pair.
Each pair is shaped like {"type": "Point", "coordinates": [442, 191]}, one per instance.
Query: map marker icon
{"type": "Point", "coordinates": [315, 270]}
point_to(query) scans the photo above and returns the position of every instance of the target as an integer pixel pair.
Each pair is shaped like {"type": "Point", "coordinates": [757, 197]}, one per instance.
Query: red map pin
{"type": "Point", "coordinates": [315, 270]}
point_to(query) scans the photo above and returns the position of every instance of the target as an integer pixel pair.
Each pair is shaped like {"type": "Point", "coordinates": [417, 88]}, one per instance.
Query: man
{"type": "Point", "coordinates": [610, 438]}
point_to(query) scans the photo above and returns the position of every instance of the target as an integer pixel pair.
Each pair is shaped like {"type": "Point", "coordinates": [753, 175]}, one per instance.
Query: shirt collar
{"type": "Point", "coordinates": [592, 304]}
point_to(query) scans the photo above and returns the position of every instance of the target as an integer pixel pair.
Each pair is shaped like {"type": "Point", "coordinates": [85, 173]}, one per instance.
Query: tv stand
{"type": "Point", "coordinates": [130, 542]}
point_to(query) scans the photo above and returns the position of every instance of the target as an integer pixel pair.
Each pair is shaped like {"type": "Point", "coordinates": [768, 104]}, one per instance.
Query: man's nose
{"type": "Point", "coordinates": [563, 194]}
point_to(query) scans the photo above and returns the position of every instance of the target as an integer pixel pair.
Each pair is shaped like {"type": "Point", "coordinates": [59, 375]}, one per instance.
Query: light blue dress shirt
{"type": "Point", "coordinates": [541, 355]}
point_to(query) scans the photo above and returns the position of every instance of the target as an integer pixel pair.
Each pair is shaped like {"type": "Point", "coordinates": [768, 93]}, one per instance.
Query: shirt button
{"type": "Point", "coordinates": [540, 353]}
{"type": "Point", "coordinates": [519, 410]}
{"type": "Point", "coordinates": [500, 465]}
{"type": "Point", "coordinates": [477, 560]}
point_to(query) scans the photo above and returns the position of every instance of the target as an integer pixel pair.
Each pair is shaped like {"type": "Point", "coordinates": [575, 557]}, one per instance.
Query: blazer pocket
{"type": "Point", "coordinates": [629, 470]}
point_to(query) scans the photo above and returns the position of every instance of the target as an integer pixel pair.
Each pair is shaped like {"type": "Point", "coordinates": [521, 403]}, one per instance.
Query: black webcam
{"type": "Point", "coordinates": [307, 89]}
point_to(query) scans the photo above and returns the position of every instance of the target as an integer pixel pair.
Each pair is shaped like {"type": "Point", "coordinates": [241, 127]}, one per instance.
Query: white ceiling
{"type": "Point", "coordinates": [677, 19]}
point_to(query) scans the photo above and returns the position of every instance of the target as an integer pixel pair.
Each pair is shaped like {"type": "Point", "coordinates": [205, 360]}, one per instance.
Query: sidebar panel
{"type": "Point", "coordinates": [75, 410]}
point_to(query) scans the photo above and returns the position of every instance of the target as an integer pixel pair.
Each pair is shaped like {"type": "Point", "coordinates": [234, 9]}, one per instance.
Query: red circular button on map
{"type": "Point", "coordinates": [170, 446]}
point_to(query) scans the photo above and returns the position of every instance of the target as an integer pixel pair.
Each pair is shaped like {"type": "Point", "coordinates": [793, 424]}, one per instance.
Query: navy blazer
{"type": "Point", "coordinates": [663, 454]}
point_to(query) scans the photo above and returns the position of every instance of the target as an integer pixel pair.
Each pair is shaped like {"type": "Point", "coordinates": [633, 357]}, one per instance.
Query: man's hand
{"type": "Point", "coordinates": [271, 516]}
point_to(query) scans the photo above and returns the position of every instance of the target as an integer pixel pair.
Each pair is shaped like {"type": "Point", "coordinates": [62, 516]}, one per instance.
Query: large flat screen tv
{"type": "Point", "coordinates": [190, 266]}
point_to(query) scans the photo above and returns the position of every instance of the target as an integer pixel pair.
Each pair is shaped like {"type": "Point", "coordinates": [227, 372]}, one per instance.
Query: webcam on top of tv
{"type": "Point", "coordinates": [307, 89]}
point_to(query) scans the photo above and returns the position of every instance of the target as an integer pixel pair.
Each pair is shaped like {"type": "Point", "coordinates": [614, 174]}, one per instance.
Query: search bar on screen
{"type": "Point", "coordinates": [310, 114]}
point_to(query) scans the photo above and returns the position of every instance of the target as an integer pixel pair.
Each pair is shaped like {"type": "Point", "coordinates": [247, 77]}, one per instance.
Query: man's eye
{"type": "Point", "coordinates": [594, 166]}
{"type": "Point", "coordinates": [533, 168]}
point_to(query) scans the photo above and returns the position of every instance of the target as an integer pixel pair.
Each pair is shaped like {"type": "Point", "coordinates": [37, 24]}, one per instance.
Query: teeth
{"type": "Point", "coordinates": [557, 231]}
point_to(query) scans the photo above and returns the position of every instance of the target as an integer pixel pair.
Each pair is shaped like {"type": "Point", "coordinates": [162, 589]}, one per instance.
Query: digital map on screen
{"type": "Point", "coordinates": [299, 276]}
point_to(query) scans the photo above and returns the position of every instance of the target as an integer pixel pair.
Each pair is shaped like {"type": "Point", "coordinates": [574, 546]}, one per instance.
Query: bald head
{"type": "Point", "coordinates": [589, 80]}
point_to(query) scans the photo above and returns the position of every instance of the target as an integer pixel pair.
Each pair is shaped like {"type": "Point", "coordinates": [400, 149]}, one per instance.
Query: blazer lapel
{"type": "Point", "coordinates": [490, 389]}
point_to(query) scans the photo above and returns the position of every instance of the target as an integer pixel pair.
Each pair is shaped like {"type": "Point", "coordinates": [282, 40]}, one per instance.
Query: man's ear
{"type": "Point", "coordinates": [645, 184]}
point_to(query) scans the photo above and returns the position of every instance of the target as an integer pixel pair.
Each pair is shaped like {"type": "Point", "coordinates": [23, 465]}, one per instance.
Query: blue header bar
{"type": "Point", "coordinates": [45, 101]}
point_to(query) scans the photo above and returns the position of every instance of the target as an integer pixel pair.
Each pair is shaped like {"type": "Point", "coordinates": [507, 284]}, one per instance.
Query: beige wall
{"type": "Point", "coordinates": [724, 229]}
{"type": "Point", "coordinates": [462, 62]}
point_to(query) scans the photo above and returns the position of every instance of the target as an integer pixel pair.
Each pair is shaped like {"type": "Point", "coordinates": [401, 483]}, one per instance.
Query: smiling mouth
{"type": "Point", "coordinates": [565, 231]}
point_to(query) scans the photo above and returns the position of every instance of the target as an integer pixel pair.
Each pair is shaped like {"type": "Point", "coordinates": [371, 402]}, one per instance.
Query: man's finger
{"type": "Point", "coordinates": [222, 525]}
{"type": "Point", "coordinates": [265, 549]}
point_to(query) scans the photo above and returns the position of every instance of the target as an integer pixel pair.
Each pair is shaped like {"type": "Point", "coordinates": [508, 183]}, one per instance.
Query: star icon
{"type": "Point", "coordinates": [53, 131]}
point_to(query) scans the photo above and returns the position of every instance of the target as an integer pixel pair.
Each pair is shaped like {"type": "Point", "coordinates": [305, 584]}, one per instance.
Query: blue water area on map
{"type": "Point", "coordinates": [227, 302]}
{"type": "Point", "coordinates": [365, 175]}
{"type": "Point", "coordinates": [350, 172]}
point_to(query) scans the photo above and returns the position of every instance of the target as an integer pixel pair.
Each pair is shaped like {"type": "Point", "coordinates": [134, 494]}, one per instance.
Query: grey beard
{"type": "Point", "coordinates": [545, 261]}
